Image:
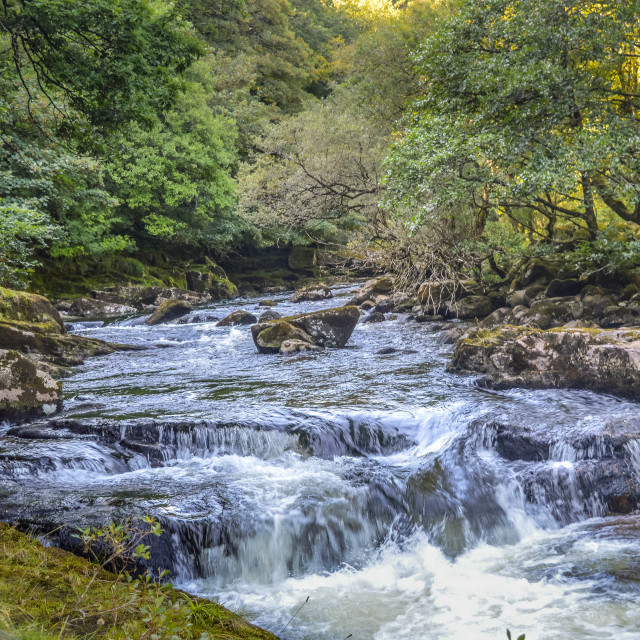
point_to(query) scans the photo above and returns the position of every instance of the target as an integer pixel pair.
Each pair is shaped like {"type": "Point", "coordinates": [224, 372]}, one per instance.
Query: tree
{"type": "Point", "coordinates": [174, 180]}
{"type": "Point", "coordinates": [109, 61]}
{"type": "Point", "coordinates": [528, 116]}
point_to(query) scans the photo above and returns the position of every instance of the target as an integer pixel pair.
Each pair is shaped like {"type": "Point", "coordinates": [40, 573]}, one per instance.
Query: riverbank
{"type": "Point", "coordinates": [47, 593]}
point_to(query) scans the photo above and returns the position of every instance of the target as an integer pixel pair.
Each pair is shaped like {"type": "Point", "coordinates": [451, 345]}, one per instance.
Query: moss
{"type": "Point", "coordinates": [25, 307]}
{"type": "Point", "coordinates": [47, 593]}
{"type": "Point", "coordinates": [222, 288]}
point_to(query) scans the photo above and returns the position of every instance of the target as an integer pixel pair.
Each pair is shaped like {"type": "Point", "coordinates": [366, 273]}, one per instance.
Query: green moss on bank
{"type": "Point", "coordinates": [47, 593]}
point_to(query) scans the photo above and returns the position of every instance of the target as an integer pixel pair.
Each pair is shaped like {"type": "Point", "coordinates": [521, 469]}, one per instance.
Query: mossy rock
{"type": "Point", "coordinates": [221, 288]}
{"type": "Point", "coordinates": [270, 340]}
{"type": "Point", "coordinates": [29, 307]}
{"type": "Point", "coordinates": [168, 311]}
{"type": "Point", "coordinates": [241, 317]}
{"type": "Point", "coordinates": [26, 391]}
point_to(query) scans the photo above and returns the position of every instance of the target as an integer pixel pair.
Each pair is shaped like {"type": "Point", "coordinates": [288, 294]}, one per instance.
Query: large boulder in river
{"type": "Point", "coordinates": [26, 390]}
{"type": "Point", "coordinates": [169, 311]}
{"type": "Point", "coordinates": [241, 317]}
{"type": "Point", "coordinates": [326, 328]}
{"type": "Point", "coordinates": [599, 360]}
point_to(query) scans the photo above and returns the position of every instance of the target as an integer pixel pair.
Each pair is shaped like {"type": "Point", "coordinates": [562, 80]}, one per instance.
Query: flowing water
{"type": "Point", "coordinates": [402, 501]}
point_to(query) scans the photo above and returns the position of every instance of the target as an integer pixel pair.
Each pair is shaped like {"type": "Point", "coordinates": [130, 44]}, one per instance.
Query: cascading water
{"type": "Point", "coordinates": [403, 501]}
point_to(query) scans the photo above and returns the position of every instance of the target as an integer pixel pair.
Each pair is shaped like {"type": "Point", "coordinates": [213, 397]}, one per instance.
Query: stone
{"type": "Point", "coordinates": [367, 305]}
{"type": "Point", "coordinates": [169, 311]}
{"type": "Point", "coordinates": [26, 390]}
{"type": "Point", "coordinates": [384, 305]}
{"type": "Point", "coordinates": [241, 317]}
{"type": "Point", "coordinates": [374, 316]}
{"type": "Point", "coordinates": [271, 338]}
{"type": "Point", "coordinates": [616, 316]}
{"type": "Point", "coordinates": [372, 288]}
{"type": "Point", "coordinates": [269, 315]}
{"type": "Point", "coordinates": [594, 305]}
{"type": "Point", "coordinates": [313, 293]}
{"type": "Point", "coordinates": [470, 307]}
{"type": "Point", "coordinates": [629, 291]}
{"type": "Point", "coordinates": [267, 303]}
{"type": "Point", "coordinates": [453, 335]}
{"type": "Point", "coordinates": [561, 288]}
{"type": "Point", "coordinates": [606, 360]}
{"type": "Point", "coordinates": [297, 346]}
{"type": "Point", "coordinates": [91, 308]}
{"type": "Point", "coordinates": [546, 314]}
{"type": "Point", "coordinates": [504, 315]}
{"type": "Point", "coordinates": [326, 328]}
{"type": "Point", "coordinates": [518, 299]}
{"type": "Point", "coordinates": [20, 306]}
{"type": "Point", "coordinates": [198, 281]}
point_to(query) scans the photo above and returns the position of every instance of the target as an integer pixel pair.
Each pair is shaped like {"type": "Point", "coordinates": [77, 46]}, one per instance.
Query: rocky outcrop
{"type": "Point", "coordinates": [313, 294]}
{"type": "Point", "coordinates": [241, 317]}
{"type": "Point", "coordinates": [326, 328]}
{"type": "Point", "coordinates": [470, 307]}
{"type": "Point", "coordinates": [599, 360]}
{"type": "Point", "coordinates": [35, 350]}
{"type": "Point", "coordinates": [169, 311]}
{"type": "Point", "coordinates": [92, 308]}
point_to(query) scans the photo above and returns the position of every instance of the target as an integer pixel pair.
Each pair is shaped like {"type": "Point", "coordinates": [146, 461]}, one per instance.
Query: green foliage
{"type": "Point", "coordinates": [21, 231]}
{"type": "Point", "coordinates": [173, 181]}
{"type": "Point", "coordinates": [108, 61]}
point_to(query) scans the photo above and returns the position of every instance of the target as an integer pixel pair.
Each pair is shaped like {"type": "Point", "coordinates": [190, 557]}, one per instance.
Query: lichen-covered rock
{"type": "Point", "coordinates": [241, 317]}
{"type": "Point", "coordinates": [26, 390]}
{"type": "Point", "coordinates": [20, 306]}
{"type": "Point", "coordinates": [599, 360]}
{"type": "Point", "coordinates": [547, 314]}
{"type": "Point", "coordinates": [470, 307]}
{"type": "Point", "coordinates": [169, 311]}
{"type": "Point", "coordinates": [370, 289]}
{"type": "Point", "coordinates": [313, 293]}
{"type": "Point", "coordinates": [326, 328]}
{"type": "Point", "coordinates": [271, 338]}
{"type": "Point", "coordinates": [297, 346]}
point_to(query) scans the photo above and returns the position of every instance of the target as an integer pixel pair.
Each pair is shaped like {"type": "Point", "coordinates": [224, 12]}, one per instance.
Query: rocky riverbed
{"type": "Point", "coordinates": [368, 478]}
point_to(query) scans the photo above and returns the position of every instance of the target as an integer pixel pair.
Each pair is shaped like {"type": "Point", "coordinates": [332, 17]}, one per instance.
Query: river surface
{"type": "Point", "coordinates": [367, 485]}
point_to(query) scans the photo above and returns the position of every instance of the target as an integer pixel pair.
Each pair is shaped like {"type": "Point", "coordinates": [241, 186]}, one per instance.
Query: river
{"type": "Point", "coordinates": [370, 484]}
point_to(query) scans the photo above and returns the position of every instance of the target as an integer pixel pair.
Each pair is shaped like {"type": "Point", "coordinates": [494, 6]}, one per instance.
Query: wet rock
{"type": "Point", "coordinates": [267, 303]}
{"type": "Point", "coordinates": [562, 288]}
{"type": "Point", "coordinates": [384, 304]}
{"type": "Point", "coordinates": [89, 308]}
{"type": "Point", "coordinates": [169, 311]}
{"type": "Point", "coordinates": [367, 305]}
{"type": "Point", "coordinates": [470, 307]}
{"type": "Point", "coordinates": [606, 360]}
{"type": "Point", "coordinates": [198, 318]}
{"type": "Point", "coordinates": [326, 328]}
{"type": "Point", "coordinates": [424, 317]}
{"type": "Point", "coordinates": [297, 346]}
{"type": "Point", "coordinates": [241, 317]}
{"type": "Point", "coordinates": [371, 289]}
{"type": "Point", "coordinates": [313, 294]}
{"type": "Point", "coordinates": [26, 390]}
{"type": "Point", "coordinates": [272, 338]}
{"type": "Point", "coordinates": [269, 315]}
{"type": "Point", "coordinates": [374, 316]}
